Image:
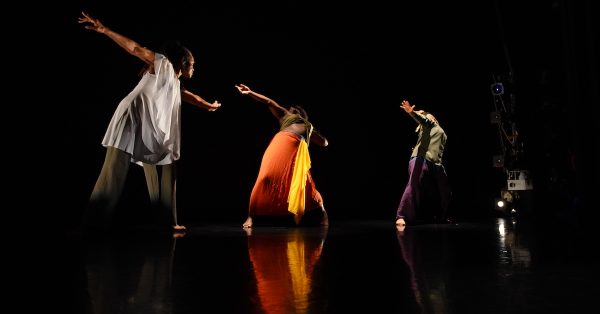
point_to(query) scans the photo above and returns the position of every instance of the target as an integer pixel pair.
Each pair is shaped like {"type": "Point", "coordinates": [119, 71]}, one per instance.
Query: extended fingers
{"type": "Point", "coordinates": [87, 18]}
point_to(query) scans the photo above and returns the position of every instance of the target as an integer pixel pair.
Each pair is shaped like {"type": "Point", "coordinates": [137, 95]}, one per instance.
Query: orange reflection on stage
{"type": "Point", "coordinates": [283, 261]}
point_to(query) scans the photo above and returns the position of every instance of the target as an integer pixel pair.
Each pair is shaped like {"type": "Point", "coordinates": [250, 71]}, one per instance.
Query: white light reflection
{"type": "Point", "coordinates": [510, 250]}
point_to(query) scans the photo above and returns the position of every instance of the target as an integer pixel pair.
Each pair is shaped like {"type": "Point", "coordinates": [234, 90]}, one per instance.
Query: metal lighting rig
{"type": "Point", "coordinates": [509, 155]}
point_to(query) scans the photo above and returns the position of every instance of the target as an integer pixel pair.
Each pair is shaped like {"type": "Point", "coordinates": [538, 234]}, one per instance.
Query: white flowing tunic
{"type": "Point", "coordinates": [147, 122]}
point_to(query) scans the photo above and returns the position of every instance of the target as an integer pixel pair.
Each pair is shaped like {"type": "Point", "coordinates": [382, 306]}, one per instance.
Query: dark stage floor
{"type": "Point", "coordinates": [501, 265]}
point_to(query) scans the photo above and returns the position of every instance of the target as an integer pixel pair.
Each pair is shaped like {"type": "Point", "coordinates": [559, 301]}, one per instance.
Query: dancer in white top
{"type": "Point", "coordinates": [145, 129]}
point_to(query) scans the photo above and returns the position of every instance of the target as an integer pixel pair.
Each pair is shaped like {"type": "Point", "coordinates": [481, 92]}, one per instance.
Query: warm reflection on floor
{"type": "Point", "coordinates": [496, 266]}
{"type": "Point", "coordinates": [283, 264]}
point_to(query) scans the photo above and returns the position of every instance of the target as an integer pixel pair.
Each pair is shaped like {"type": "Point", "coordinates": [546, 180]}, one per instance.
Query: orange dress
{"type": "Point", "coordinates": [271, 191]}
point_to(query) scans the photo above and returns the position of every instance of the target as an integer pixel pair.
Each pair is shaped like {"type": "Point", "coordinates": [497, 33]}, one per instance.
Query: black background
{"type": "Point", "coordinates": [350, 65]}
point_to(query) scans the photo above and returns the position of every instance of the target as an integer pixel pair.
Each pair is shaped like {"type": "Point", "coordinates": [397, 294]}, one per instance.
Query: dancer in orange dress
{"type": "Point", "coordinates": [284, 185]}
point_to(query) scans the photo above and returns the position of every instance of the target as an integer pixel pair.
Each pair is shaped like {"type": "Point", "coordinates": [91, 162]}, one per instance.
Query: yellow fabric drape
{"type": "Point", "coordinates": [297, 195]}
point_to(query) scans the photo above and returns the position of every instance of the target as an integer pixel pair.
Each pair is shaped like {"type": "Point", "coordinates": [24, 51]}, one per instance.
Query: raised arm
{"type": "Point", "coordinates": [416, 115]}
{"type": "Point", "coordinates": [277, 110]}
{"type": "Point", "coordinates": [129, 45]}
{"type": "Point", "coordinates": [407, 106]}
{"type": "Point", "coordinates": [198, 101]}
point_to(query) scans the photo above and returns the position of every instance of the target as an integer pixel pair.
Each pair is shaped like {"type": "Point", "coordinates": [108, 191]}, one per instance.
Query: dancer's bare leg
{"type": "Point", "coordinates": [247, 223]}
{"type": "Point", "coordinates": [168, 192]}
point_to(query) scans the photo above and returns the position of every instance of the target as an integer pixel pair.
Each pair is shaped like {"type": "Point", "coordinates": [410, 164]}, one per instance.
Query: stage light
{"type": "Point", "coordinates": [505, 203]}
{"type": "Point", "coordinates": [498, 161]}
{"type": "Point", "coordinates": [500, 203]}
{"type": "Point", "coordinates": [495, 117]}
{"type": "Point", "coordinates": [506, 196]}
{"type": "Point", "coordinates": [497, 89]}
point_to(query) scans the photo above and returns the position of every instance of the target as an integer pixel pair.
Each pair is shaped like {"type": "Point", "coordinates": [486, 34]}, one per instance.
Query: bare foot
{"type": "Point", "coordinates": [247, 223]}
{"type": "Point", "coordinates": [400, 222]}
{"type": "Point", "coordinates": [400, 229]}
{"type": "Point", "coordinates": [178, 228]}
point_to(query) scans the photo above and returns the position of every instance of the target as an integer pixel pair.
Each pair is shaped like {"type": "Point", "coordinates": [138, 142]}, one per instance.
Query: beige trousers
{"type": "Point", "coordinates": [110, 184]}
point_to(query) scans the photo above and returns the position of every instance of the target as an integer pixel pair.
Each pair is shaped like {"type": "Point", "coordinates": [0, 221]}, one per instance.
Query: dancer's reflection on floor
{"type": "Point", "coordinates": [130, 273]}
{"type": "Point", "coordinates": [426, 269]}
{"type": "Point", "coordinates": [283, 261]}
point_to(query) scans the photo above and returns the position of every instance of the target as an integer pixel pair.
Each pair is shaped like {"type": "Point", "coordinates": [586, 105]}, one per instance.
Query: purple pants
{"type": "Point", "coordinates": [424, 179]}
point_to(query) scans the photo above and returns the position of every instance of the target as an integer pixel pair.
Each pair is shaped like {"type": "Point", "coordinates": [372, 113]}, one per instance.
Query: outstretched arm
{"type": "Point", "coordinates": [318, 139]}
{"type": "Point", "coordinates": [416, 115]}
{"type": "Point", "coordinates": [198, 101]}
{"type": "Point", "coordinates": [277, 110]}
{"type": "Point", "coordinates": [129, 45]}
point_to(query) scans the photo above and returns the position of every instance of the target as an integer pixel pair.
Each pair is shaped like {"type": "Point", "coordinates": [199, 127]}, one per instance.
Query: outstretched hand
{"type": "Point", "coordinates": [215, 105]}
{"type": "Point", "coordinates": [243, 89]}
{"type": "Point", "coordinates": [407, 106]}
{"type": "Point", "coordinates": [94, 24]}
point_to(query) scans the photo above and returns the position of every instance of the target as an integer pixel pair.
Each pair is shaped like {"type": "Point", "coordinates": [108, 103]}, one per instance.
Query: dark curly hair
{"type": "Point", "coordinates": [301, 111]}
{"type": "Point", "coordinates": [175, 52]}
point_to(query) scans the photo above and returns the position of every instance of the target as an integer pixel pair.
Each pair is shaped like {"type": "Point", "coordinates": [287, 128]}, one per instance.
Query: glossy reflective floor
{"type": "Point", "coordinates": [501, 265]}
